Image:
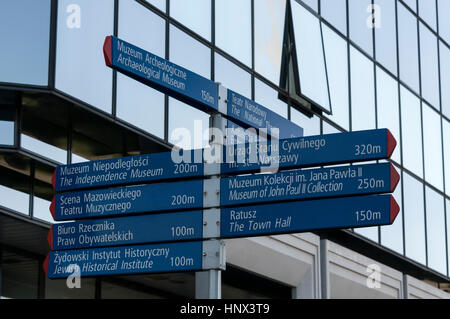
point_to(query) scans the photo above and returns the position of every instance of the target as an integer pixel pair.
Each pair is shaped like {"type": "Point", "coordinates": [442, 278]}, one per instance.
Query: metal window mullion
{"type": "Point", "coordinates": [375, 90]}
{"type": "Point", "coordinates": [52, 43]}
{"type": "Point", "coordinates": [252, 30]}
{"type": "Point", "coordinates": [114, 72]}
{"type": "Point", "coordinates": [423, 137]}
{"type": "Point", "coordinates": [1, 272]}
{"type": "Point", "coordinates": [442, 138]}
{"type": "Point", "coordinates": [31, 189]}
{"type": "Point", "coordinates": [402, 193]}
{"type": "Point", "coordinates": [349, 70]}
{"type": "Point", "coordinates": [167, 56]}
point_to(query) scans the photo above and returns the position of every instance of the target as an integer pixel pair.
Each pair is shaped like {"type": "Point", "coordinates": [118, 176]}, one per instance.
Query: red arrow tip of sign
{"type": "Point", "coordinates": [52, 208]}
{"type": "Point", "coordinates": [395, 178]}
{"type": "Point", "coordinates": [391, 143]}
{"type": "Point", "coordinates": [54, 179]}
{"type": "Point", "coordinates": [107, 50]}
{"type": "Point", "coordinates": [45, 265]}
{"type": "Point", "coordinates": [50, 237]}
{"type": "Point", "coordinates": [395, 209]}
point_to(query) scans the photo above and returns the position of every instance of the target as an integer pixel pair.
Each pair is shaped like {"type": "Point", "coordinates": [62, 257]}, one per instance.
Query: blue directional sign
{"type": "Point", "coordinates": [126, 260]}
{"type": "Point", "coordinates": [251, 114]}
{"type": "Point", "coordinates": [309, 183]}
{"type": "Point", "coordinates": [190, 87]}
{"type": "Point", "coordinates": [309, 151]}
{"type": "Point", "coordinates": [125, 170]}
{"type": "Point", "coordinates": [249, 189]}
{"type": "Point", "coordinates": [247, 221]}
{"type": "Point", "coordinates": [127, 200]}
{"type": "Point", "coordinates": [237, 159]}
{"type": "Point", "coordinates": [294, 217]}
{"type": "Point", "coordinates": [161, 74]}
{"type": "Point", "coordinates": [141, 229]}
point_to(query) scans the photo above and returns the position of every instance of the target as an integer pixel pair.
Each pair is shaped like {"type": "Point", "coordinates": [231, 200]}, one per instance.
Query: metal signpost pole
{"type": "Point", "coordinates": [208, 284]}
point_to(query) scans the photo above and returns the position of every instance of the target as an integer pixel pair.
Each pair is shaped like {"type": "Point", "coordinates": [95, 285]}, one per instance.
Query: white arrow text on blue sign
{"type": "Point", "coordinates": [192, 88]}
{"type": "Point", "coordinates": [244, 221]}
{"type": "Point", "coordinates": [239, 190]}
{"type": "Point", "coordinates": [246, 158]}
{"type": "Point", "coordinates": [142, 259]}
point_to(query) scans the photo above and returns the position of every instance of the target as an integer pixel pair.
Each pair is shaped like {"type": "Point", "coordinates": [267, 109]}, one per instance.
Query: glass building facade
{"type": "Point", "coordinates": [326, 65]}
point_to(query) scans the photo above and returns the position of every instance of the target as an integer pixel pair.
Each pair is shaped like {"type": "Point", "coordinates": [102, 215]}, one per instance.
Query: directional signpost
{"type": "Point", "coordinates": [126, 170]}
{"type": "Point", "coordinates": [130, 260]}
{"type": "Point", "coordinates": [309, 183]}
{"type": "Point", "coordinates": [244, 221]}
{"type": "Point", "coordinates": [158, 213]}
{"type": "Point", "coordinates": [236, 190]}
{"type": "Point", "coordinates": [283, 154]}
{"type": "Point", "coordinates": [310, 151]}
{"type": "Point", "coordinates": [192, 88]}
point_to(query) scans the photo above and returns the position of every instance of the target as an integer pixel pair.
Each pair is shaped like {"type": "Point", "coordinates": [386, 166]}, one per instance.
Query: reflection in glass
{"type": "Point", "coordinates": [363, 91]}
{"type": "Point", "coordinates": [80, 65]}
{"type": "Point", "coordinates": [446, 130]}
{"type": "Point", "coordinates": [445, 78]}
{"type": "Point", "coordinates": [408, 48]}
{"type": "Point", "coordinates": [233, 28]}
{"type": "Point", "coordinates": [337, 67]}
{"type": "Point", "coordinates": [386, 37]}
{"type": "Point", "coordinates": [392, 235]}
{"type": "Point", "coordinates": [199, 58]}
{"type": "Point", "coordinates": [41, 209]}
{"type": "Point", "coordinates": [429, 66]}
{"type": "Point", "coordinates": [432, 143]}
{"type": "Point", "coordinates": [387, 107]}
{"type": "Point", "coordinates": [435, 231]}
{"type": "Point", "coordinates": [329, 129]}
{"type": "Point", "coordinates": [268, 97]}
{"type": "Point", "coordinates": [411, 132]}
{"type": "Point", "coordinates": [25, 41]}
{"type": "Point", "coordinates": [313, 4]}
{"type": "Point", "coordinates": [78, 159]}
{"type": "Point", "coordinates": [444, 19]}
{"type": "Point", "coordinates": [335, 12]}
{"type": "Point", "coordinates": [427, 11]}
{"type": "Point", "coordinates": [144, 108]}
{"type": "Point", "coordinates": [43, 149]}
{"type": "Point", "coordinates": [269, 27]}
{"type": "Point", "coordinates": [311, 126]}
{"type": "Point", "coordinates": [14, 199]}
{"type": "Point", "coordinates": [414, 218]}
{"type": "Point", "coordinates": [137, 103]}
{"type": "Point", "coordinates": [310, 56]}
{"type": "Point", "coordinates": [160, 4]}
{"type": "Point", "coordinates": [232, 77]}
{"type": "Point", "coordinates": [6, 133]}
{"type": "Point", "coordinates": [360, 33]}
{"type": "Point", "coordinates": [188, 127]}
{"type": "Point", "coordinates": [369, 232]}
{"type": "Point", "coordinates": [412, 4]}
{"type": "Point", "coordinates": [195, 14]}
